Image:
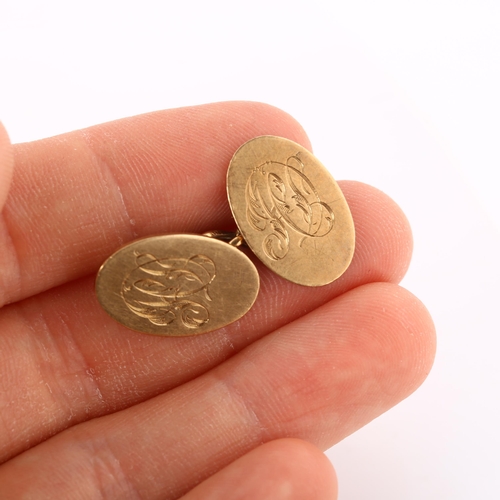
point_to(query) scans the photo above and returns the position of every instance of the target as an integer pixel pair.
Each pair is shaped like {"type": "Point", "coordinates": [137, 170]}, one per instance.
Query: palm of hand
{"type": "Point", "coordinates": [92, 409]}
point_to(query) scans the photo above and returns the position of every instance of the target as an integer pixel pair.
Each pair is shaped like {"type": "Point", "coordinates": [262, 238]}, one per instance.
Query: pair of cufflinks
{"type": "Point", "coordinates": [289, 212]}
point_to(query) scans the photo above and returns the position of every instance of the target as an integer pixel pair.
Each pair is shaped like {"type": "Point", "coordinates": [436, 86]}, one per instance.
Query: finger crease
{"type": "Point", "coordinates": [109, 178]}
{"type": "Point", "coordinates": [75, 377]}
{"type": "Point", "coordinates": [109, 476]}
{"type": "Point", "coordinates": [253, 418]}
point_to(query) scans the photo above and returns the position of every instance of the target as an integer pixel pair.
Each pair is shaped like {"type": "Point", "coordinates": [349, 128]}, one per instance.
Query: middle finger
{"type": "Point", "coordinates": [65, 361]}
{"type": "Point", "coordinates": [318, 378]}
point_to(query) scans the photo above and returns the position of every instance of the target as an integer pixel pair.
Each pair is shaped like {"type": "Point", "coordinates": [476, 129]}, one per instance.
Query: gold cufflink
{"type": "Point", "coordinates": [289, 211]}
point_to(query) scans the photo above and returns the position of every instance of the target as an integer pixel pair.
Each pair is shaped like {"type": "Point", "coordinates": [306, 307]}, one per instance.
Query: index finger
{"type": "Point", "coordinates": [75, 198]}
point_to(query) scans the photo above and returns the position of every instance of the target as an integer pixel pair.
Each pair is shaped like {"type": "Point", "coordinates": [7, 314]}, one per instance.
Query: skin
{"type": "Point", "coordinates": [90, 409]}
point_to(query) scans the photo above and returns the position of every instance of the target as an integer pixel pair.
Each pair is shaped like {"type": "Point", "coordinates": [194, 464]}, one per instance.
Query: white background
{"type": "Point", "coordinates": [400, 94]}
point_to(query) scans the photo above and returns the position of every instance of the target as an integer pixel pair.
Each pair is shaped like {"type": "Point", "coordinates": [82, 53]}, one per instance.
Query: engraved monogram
{"type": "Point", "coordinates": [281, 198]}
{"type": "Point", "coordinates": [164, 290]}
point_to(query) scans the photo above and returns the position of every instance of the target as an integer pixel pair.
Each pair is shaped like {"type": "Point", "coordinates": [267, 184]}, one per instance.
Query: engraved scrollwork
{"type": "Point", "coordinates": [164, 290]}
{"type": "Point", "coordinates": [280, 198]}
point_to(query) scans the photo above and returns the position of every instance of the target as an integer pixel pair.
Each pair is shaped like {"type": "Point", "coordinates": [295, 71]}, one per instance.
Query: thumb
{"type": "Point", "coordinates": [6, 165]}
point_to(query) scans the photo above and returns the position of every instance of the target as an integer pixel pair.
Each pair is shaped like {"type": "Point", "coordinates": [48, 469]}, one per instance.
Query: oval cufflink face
{"type": "Point", "coordinates": [290, 211]}
{"type": "Point", "coordinates": [176, 285]}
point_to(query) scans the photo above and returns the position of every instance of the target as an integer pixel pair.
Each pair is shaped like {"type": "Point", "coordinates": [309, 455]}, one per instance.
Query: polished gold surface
{"type": "Point", "coordinates": [290, 211]}
{"type": "Point", "coordinates": [176, 285]}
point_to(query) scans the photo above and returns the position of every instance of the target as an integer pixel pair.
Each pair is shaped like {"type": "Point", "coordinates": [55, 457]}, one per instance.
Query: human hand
{"type": "Point", "coordinates": [90, 409]}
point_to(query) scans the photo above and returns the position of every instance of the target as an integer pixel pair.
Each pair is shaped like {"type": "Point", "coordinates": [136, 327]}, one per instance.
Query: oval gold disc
{"type": "Point", "coordinates": [175, 285]}
{"type": "Point", "coordinates": [290, 211]}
